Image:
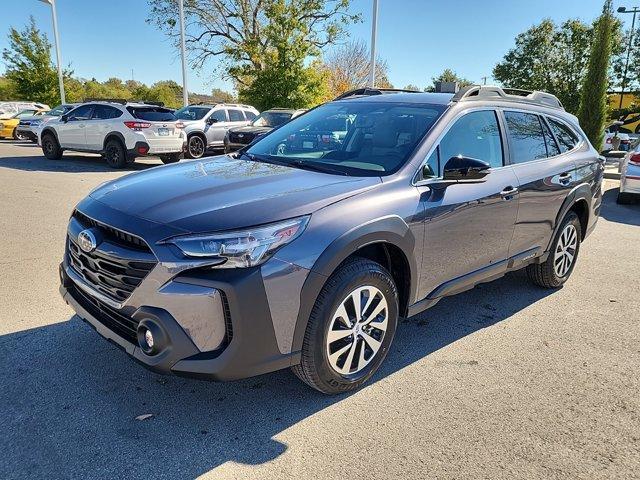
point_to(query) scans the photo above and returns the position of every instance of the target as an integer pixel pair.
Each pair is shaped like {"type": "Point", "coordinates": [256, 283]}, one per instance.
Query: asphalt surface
{"type": "Point", "coordinates": [504, 381]}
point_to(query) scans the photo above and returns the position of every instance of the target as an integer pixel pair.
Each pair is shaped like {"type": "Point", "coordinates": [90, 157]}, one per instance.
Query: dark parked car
{"type": "Point", "coordinates": [305, 255]}
{"type": "Point", "coordinates": [239, 137]}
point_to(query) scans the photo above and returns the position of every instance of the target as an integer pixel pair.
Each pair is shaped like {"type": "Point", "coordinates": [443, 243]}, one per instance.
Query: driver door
{"type": "Point", "coordinates": [72, 133]}
{"type": "Point", "coordinates": [217, 126]}
{"type": "Point", "coordinates": [469, 226]}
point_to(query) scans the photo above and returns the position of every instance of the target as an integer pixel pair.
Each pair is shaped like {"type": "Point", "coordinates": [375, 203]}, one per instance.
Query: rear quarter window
{"type": "Point", "coordinates": [567, 139]}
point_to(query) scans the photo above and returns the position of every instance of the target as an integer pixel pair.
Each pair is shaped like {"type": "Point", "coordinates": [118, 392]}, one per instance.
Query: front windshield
{"type": "Point", "coordinates": [59, 110]}
{"type": "Point", "coordinates": [192, 113]}
{"type": "Point", "coordinates": [271, 119]}
{"type": "Point", "coordinates": [25, 113]}
{"type": "Point", "coordinates": [352, 137]}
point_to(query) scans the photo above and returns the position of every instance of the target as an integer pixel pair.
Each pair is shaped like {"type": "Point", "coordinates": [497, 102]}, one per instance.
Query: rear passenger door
{"type": "Point", "coordinates": [546, 174]}
{"type": "Point", "coordinates": [468, 225]}
{"type": "Point", "coordinates": [100, 125]}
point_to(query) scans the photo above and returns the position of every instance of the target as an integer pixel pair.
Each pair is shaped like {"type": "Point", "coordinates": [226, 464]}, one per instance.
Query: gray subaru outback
{"type": "Point", "coordinates": [304, 249]}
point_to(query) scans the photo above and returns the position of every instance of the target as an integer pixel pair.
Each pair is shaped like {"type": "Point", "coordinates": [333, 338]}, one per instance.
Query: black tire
{"type": "Point", "coordinates": [545, 274]}
{"type": "Point", "coordinates": [196, 146]}
{"type": "Point", "coordinates": [115, 154]}
{"type": "Point", "coordinates": [314, 368]}
{"type": "Point", "coordinates": [170, 158]}
{"type": "Point", "coordinates": [51, 147]}
{"type": "Point", "coordinates": [624, 198]}
{"type": "Point", "coordinates": [18, 136]}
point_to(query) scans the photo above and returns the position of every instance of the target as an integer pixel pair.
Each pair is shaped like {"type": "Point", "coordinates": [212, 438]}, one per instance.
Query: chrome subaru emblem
{"type": "Point", "coordinates": [87, 241]}
{"type": "Point", "coordinates": [240, 135]}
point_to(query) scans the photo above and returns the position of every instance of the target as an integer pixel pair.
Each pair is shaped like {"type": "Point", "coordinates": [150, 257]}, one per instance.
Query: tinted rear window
{"type": "Point", "coordinates": [152, 114]}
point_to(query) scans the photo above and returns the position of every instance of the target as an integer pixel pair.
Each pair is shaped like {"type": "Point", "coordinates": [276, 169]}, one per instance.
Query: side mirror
{"type": "Point", "coordinates": [64, 118]}
{"type": "Point", "coordinates": [211, 120]}
{"type": "Point", "coordinates": [465, 169]}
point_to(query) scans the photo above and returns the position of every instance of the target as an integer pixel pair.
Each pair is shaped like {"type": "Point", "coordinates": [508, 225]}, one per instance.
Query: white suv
{"type": "Point", "coordinates": [207, 125]}
{"type": "Point", "coordinates": [119, 131]}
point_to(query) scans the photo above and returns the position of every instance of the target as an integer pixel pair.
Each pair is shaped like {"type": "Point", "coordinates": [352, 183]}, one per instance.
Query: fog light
{"type": "Point", "coordinates": [148, 338]}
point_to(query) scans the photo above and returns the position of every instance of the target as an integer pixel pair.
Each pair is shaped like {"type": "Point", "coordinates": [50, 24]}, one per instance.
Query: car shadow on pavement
{"type": "Point", "coordinates": [69, 163]}
{"type": "Point", "coordinates": [613, 212]}
{"type": "Point", "coordinates": [70, 399]}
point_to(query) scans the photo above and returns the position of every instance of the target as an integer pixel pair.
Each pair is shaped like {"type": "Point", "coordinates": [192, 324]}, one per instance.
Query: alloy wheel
{"type": "Point", "coordinates": [356, 330]}
{"type": "Point", "coordinates": [196, 147]}
{"type": "Point", "coordinates": [565, 250]}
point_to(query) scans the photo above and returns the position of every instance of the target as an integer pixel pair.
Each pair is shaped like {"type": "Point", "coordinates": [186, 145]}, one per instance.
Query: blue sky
{"type": "Point", "coordinates": [418, 38]}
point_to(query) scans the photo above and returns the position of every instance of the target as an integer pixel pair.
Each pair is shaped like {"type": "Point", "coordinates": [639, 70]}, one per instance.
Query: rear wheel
{"type": "Point", "coordinates": [170, 158]}
{"type": "Point", "coordinates": [115, 154]}
{"type": "Point", "coordinates": [563, 255]}
{"type": "Point", "coordinates": [350, 328]}
{"type": "Point", "coordinates": [51, 147]}
{"type": "Point", "coordinates": [195, 146]}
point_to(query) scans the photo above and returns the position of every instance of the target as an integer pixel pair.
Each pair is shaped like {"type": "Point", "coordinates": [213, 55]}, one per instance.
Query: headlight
{"type": "Point", "coordinates": [242, 248]}
{"type": "Point", "coordinates": [35, 123]}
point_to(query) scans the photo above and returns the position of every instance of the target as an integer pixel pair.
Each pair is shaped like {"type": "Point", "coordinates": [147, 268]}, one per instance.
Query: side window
{"type": "Point", "coordinates": [476, 135]}
{"type": "Point", "coordinates": [552, 146]}
{"type": "Point", "coordinates": [105, 112]}
{"type": "Point", "coordinates": [236, 115]}
{"type": "Point", "coordinates": [250, 115]}
{"type": "Point", "coordinates": [83, 112]}
{"type": "Point", "coordinates": [527, 139]}
{"type": "Point", "coordinates": [219, 115]}
{"type": "Point", "coordinates": [567, 139]}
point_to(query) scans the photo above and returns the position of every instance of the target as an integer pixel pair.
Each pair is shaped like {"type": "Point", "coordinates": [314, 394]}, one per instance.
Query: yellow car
{"type": "Point", "coordinates": [8, 126]}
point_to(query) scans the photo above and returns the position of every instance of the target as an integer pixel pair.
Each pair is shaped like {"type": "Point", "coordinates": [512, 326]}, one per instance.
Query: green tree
{"type": "Point", "coordinates": [551, 58]}
{"type": "Point", "coordinates": [29, 67]}
{"type": "Point", "coordinates": [411, 86]}
{"type": "Point", "coordinates": [593, 101]}
{"type": "Point", "coordinates": [448, 75]}
{"type": "Point", "coordinates": [236, 32]}
{"type": "Point", "coordinates": [221, 96]}
{"type": "Point", "coordinates": [7, 89]}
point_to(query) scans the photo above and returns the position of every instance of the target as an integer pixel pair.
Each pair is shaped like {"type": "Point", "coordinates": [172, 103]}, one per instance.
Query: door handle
{"type": "Point", "coordinates": [509, 192]}
{"type": "Point", "coordinates": [565, 178]}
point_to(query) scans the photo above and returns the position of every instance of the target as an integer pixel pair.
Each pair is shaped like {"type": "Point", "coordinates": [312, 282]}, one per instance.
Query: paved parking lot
{"type": "Point", "coordinates": [505, 381]}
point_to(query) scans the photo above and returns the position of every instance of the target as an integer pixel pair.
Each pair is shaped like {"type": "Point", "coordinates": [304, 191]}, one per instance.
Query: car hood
{"type": "Point", "coordinates": [36, 117]}
{"type": "Point", "coordinates": [222, 193]}
{"type": "Point", "coordinates": [250, 129]}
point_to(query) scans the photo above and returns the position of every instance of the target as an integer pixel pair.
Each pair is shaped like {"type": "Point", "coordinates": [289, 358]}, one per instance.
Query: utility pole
{"type": "Point", "coordinates": [626, 64]}
{"type": "Point", "coordinates": [185, 92]}
{"type": "Point", "coordinates": [484, 80]}
{"type": "Point", "coordinates": [374, 31]}
{"type": "Point", "coordinates": [57, 42]}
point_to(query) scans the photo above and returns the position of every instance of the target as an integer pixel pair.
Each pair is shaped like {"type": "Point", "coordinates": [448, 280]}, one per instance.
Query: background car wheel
{"type": "Point", "coordinates": [115, 154]}
{"type": "Point", "coordinates": [19, 136]}
{"type": "Point", "coordinates": [562, 256]}
{"type": "Point", "coordinates": [624, 198]}
{"type": "Point", "coordinates": [170, 158]}
{"type": "Point", "coordinates": [195, 146]}
{"type": "Point", "coordinates": [350, 328]}
{"type": "Point", "coordinates": [51, 147]}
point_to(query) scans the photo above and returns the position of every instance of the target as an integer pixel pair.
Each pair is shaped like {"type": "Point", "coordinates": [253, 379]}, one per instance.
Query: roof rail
{"type": "Point", "coordinates": [122, 101]}
{"type": "Point", "coordinates": [484, 92]}
{"type": "Point", "coordinates": [368, 91]}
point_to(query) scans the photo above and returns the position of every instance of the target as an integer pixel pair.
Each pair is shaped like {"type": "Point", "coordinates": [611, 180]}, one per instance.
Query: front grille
{"type": "Point", "coordinates": [115, 321]}
{"type": "Point", "coordinates": [114, 277]}
{"type": "Point", "coordinates": [235, 138]}
{"type": "Point", "coordinates": [114, 235]}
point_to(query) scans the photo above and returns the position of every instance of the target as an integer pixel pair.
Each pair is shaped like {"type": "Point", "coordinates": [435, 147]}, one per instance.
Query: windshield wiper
{"type": "Point", "coordinates": [316, 167]}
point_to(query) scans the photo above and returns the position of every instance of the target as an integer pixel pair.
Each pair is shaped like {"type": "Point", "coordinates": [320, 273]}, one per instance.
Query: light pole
{"type": "Point", "coordinates": [57, 42]}
{"type": "Point", "coordinates": [185, 92]}
{"type": "Point", "coordinates": [626, 64]}
{"type": "Point", "coordinates": [374, 28]}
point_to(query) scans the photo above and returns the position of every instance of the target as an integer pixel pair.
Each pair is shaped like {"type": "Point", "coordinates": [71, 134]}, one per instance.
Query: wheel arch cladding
{"type": "Point", "coordinates": [50, 131]}
{"type": "Point", "coordinates": [389, 237]}
{"type": "Point", "coordinates": [581, 208]}
{"type": "Point", "coordinates": [114, 136]}
{"type": "Point", "coordinates": [578, 201]}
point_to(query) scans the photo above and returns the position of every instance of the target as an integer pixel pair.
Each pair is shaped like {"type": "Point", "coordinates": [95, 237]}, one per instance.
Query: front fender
{"type": "Point", "coordinates": [391, 230]}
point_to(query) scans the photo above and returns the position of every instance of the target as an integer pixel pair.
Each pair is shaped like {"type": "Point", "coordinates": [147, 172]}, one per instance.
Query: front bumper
{"type": "Point", "coordinates": [27, 132]}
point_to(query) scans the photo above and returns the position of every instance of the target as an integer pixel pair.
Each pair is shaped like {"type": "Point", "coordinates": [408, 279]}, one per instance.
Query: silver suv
{"type": "Point", "coordinates": [207, 125]}
{"type": "Point", "coordinates": [305, 248]}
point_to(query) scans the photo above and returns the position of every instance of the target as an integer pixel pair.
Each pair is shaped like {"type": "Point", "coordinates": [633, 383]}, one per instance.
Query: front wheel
{"type": "Point", "coordinates": [19, 136]}
{"type": "Point", "coordinates": [563, 255]}
{"type": "Point", "coordinates": [51, 147]}
{"type": "Point", "coordinates": [350, 328]}
{"type": "Point", "coordinates": [195, 146]}
{"type": "Point", "coordinates": [170, 158]}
